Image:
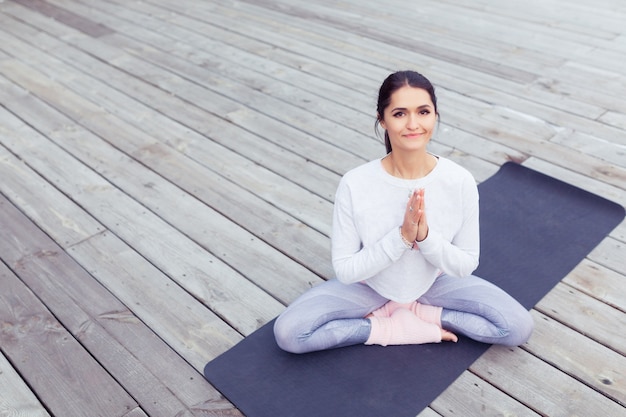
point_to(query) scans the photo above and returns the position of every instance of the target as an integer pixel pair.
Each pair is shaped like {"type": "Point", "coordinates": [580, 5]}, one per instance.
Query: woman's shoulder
{"type": "Point", "coordinates": [364, 171]}
{"type": "Point", "coordinates": [448, 167]}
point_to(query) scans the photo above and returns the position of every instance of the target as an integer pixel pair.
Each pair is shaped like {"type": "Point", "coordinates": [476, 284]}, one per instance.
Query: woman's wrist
{"type": "Point", "coordinates": [407, 243]}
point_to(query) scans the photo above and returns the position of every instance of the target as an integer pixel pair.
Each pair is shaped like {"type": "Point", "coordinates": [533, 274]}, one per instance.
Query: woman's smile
{"type": "Point", "coordinates": [409, 119]}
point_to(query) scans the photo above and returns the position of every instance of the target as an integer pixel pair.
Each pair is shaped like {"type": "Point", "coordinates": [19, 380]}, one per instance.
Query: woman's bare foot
{"type": "Point", "coordinates": [447, 336]}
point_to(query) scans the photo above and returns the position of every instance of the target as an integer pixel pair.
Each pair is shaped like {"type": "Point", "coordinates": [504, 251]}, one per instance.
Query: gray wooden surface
{"type": "Point", "coordinates": [168, 169]}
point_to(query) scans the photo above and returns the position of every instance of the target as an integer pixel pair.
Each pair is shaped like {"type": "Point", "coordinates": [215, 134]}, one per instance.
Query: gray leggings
{"type": "Point", "coordinates": [331, 314]}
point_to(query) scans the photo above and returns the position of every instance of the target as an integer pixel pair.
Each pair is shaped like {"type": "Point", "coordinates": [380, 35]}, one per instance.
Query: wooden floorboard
{"type": "Point", "coordinates": [168, 169]}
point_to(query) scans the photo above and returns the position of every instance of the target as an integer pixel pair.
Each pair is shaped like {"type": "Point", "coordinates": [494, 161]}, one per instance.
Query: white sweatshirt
{"type": "Point", "coordinates": [369, 209]}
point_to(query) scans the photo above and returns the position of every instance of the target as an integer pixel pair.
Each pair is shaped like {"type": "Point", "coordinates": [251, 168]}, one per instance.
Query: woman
{"type": "Point", "coordinates": [405, 242]}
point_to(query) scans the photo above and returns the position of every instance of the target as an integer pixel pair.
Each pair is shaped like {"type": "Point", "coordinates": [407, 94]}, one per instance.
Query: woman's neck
{"type": "Point", "coordinates": [409, 166]}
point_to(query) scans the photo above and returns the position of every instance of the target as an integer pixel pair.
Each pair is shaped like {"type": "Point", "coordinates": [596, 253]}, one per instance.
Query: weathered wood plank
{"type": "Point", "coordinates": [429, 412]}
{"type": "Point", "coordinates": [614, 153]}
{"type": "Point", "coordinates": [601, 19]}
{"type": "Point", "coordinates": [155, 152]}
{"type": "Point", "coordinates": [232, 111]}
{"type": "Point", "coordinates": [505, 119]}
{"type": "Point", "coordinates": [17, 399]}
{"type": "Point", "coordinates": [401, 36]}
{"type": "Point", "coordinates": [194, 43]}
{"type": "Point", "coordinates": [514, 158]}
{"type": "Point", "coordinates": [586, 315]}
{"type": "Point", "coordinates": [366, 50]}
{"type": "Point", "coordinates": [161, 381]}
{"type": "Point", "coordinates": [590, 362]}
{"type": "Point", "coordinates": [261, 263]}
{"type": "Point", "coordinates": [468, 32]}
{"type": "Point", "coordinates": [37, 198]}
{"type": "Point", "coordinates": [618, 120]}
{"type": "Point", "coordinates": [136, 412]}
{"type": "Point", "coordinates": [619, 232]}
{"type": "Point", "coordinates": [599, 282]}
{"type": "Point", "coordinates": [470, 162]}
{"type": "Point", "coordinates": [252, 79]}
{"type": "Point", "coordinates": [73, 20]}
{"type": "Point", "coordinates": [287, 58]}
{"type": "Point", "coordinates": [610, 253]}
{"type": "Point", "coordinates": [540, 386]}
{"type": "Point", "coordinates": [472, 396]}
{"type": "Point", "coordinates": [295, 96]}
{"type": "Point", "coordinates": [152, 236]}
{"type": "Point", "coordinates": [605, 90]}
{"type": "Point", "coordinates": [45, 353]}
{"type": "Point", "coordinates": [193, 330]}
{"type": "Point", "coordinates": [227, 193]}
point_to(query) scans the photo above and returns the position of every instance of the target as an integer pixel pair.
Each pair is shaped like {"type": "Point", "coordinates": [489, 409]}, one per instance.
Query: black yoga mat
{"type": "Point", "coordinates": [534, 230]}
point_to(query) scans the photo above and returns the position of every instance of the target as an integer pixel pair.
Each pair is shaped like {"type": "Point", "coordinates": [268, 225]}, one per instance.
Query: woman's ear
{"type": "Point", "coordinates": [381, 122]}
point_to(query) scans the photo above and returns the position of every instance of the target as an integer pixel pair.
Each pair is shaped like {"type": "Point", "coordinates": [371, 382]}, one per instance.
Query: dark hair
{"type": "Point", "coordinates": [394, 82]}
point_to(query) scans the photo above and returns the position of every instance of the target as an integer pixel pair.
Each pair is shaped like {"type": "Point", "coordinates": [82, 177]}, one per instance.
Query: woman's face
{"type": "Point", "coordinates": [409, 119]}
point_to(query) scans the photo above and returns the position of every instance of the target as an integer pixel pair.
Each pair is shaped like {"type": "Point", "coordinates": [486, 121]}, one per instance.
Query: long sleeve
{"type": "Point", "coordinates": [460, 256]}
{"type": "Point", "coordinates": [352, 261]}
{"type": "Point", "coordinates": [369, 209]}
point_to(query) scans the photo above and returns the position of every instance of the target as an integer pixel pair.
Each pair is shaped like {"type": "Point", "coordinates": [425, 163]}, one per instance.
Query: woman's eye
{"type": "Point", "coordinates": [398, 114]}
{"type": "Point", "coordinates": [425, 112]}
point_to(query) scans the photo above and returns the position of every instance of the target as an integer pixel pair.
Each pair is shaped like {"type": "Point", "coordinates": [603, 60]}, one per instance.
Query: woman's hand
{"type": "Point", "coordinates": [415, 228]}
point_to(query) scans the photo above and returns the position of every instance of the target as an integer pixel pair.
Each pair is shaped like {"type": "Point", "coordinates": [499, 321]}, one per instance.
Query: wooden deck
{"type": "Point", "coordinates": [167, 171]}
